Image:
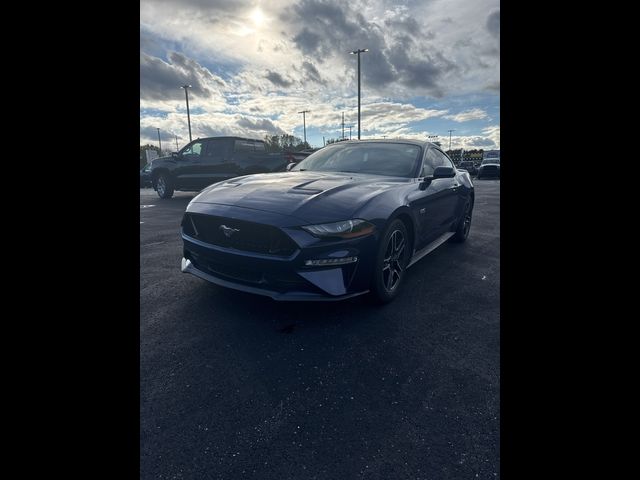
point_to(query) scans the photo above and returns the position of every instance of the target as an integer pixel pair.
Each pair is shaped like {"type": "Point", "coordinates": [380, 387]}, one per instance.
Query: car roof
{"type": "Point", "coordinates": [231, 137]}
{"type": "Point", "coordinates": [420, 143]}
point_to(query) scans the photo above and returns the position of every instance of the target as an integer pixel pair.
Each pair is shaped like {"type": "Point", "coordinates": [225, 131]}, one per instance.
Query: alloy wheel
{"type": "Point", "coordinates": [161, 185]}
{"type": "Point", "coordinates": [392, 264]}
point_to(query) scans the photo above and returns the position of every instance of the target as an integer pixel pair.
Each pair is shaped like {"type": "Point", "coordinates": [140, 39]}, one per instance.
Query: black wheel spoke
{"type": "Point", "coordinates": [392, 262]}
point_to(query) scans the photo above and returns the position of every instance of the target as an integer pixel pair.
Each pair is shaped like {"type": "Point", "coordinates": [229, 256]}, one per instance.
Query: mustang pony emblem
{"type": "Point", "coordinates": [228, 231]}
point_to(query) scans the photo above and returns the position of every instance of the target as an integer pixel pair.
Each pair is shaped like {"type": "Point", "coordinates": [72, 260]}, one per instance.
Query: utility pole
{"type": "Point", "coordinates": [159, 142]}
{"type": "Point", "coordinates": [450, 138]}
{"type": "Point", "coordinates": [358, 52]}
{"type": "Point", "coordinates": [304, 124]}
{"type": "Point", "coordinates": [349, 126]}
{"type": "Point", "coordinates": [343, 125]}
{"type": "Point", "coordinates": [323, 142]}
{"type": "Point", "coordinates": [186, 96]}
{"type": "Point", "coordinates": [177, 143]}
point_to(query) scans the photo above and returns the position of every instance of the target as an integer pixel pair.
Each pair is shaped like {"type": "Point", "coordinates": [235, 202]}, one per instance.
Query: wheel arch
{"type": "Point", "coordinates": [404, 214]}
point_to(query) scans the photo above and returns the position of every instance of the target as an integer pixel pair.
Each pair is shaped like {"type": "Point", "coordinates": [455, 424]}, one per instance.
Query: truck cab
{"type": "Point", "coordinates": [205, 161]}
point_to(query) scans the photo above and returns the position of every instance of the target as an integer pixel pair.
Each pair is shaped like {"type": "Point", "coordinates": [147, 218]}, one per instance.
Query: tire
{"type": "Point", "coordinates": [164, 186]}
{"type": "Point", "coordinates": [464, 225]}
{"type": "Point", "coordinates": [391, 261]}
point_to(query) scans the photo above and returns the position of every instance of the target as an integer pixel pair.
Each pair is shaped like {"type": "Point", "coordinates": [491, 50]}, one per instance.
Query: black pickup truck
{"type": "Point", "coordinates": [209, 160]}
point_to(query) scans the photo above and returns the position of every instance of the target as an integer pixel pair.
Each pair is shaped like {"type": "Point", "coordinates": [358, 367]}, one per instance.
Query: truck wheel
{"type": "Point", "coordinates": [164, 186]}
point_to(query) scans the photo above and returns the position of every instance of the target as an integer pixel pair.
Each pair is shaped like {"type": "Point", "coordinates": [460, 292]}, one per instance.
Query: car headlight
{"type": "Point", "coordinates": [345, 229]}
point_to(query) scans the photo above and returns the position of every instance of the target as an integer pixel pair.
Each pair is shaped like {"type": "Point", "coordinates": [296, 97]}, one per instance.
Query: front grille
{"type": "Point", "coordinates": [248, 236]}
{"type": "Point", "coordinates": [276, 281]}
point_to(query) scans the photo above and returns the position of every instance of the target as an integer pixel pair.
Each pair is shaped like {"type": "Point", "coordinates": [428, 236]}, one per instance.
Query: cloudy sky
{"type": "Point", "coordinates": [432, 65]}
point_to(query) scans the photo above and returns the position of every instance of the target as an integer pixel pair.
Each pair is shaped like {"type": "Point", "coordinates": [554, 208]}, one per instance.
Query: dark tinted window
{"type": "Point", "coordinates": [249, 146]}
{"type": "Point", "coordinates": [218, 148]}
{"type": "Point", "coordinates": [392, 159]}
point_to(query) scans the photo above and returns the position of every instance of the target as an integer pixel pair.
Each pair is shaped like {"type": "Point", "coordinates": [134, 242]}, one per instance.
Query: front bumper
{"type": "Point", "coordinates": [188, 267]}
{"type": "Point", "coordinates": [283, 276]}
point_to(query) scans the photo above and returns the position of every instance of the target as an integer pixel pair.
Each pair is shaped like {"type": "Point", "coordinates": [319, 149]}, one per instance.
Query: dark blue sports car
{"type": "Point", "coordinates": [347, 220]}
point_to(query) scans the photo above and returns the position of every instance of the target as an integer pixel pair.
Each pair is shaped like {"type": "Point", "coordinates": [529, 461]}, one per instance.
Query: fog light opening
{"type": "Point", "coordinates": [323, 262]}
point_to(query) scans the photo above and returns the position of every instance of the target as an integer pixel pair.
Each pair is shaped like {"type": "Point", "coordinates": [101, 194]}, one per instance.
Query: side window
{"type": "Point", "coordinates": [243, 146]}
{"type": "Point", "coordinates": [430, 163]}
{"type": "Point", "coordinates": [193, 149]}
{"type": "Point", "coordinates": [443, 159]}
{"type": "Point", "coordinates": [259, 147]}
{"type": "Point", "coordinates": [218, 149]}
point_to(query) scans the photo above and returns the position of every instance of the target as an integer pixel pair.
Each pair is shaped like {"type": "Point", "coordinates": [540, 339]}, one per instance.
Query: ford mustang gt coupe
{"type": "Point", "coordinates": [347, 220]}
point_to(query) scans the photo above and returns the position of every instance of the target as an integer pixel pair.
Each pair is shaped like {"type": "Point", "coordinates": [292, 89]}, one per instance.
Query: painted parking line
{"type": "Point", "coordinates": [153, 243]}
{"type": "Point", "coordinates": [146, 206]}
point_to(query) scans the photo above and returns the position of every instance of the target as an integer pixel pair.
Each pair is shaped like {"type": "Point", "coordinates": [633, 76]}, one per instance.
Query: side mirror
{"type": "Point", "coordinates": [444, 172]}
{"type": "Point", "coordinates": [290, 166]}
{"type": "Point", "coordinates": [174, 154]}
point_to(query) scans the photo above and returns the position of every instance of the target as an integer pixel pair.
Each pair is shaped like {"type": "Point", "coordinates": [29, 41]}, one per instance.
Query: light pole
{"type": "Point", "coordinates": [159, 142]}
{"type": "Point", "coordinates": [177, 143]}
{"type": "Point", "coordinates": [304, 124]}
{"type": "Point", "coordinates": [358, 52]}
{"type": "Point", "coordinates": [349, 130]}
{"type": "Point", "coordinates": [450, 138]}
{"type": "Point", "coordinates": [343, 125]}
{"type": "Point", "coordinates": [186, 96]}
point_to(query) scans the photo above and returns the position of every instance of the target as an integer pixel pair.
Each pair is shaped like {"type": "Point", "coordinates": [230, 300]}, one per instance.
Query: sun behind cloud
{"type": "Point", "coordinates": [257, 16]}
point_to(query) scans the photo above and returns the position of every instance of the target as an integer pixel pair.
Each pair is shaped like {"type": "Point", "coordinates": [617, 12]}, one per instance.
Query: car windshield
{"type": "Point", "coordinates": [378, 158]}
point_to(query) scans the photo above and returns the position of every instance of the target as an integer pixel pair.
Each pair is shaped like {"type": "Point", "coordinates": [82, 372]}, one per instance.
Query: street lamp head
{"type": "Point", "coordinates": [186, 86]}
{"type": "Point", "coordinates": [360, 50]}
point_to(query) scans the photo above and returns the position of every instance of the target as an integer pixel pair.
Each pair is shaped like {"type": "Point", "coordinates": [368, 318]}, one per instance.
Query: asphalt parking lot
{"type": "Point", "coordinates": [234, 385]}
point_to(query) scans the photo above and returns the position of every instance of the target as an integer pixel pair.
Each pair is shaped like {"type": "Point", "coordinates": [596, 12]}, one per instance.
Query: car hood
{"type": "Point", "coordinates": [310, 196]}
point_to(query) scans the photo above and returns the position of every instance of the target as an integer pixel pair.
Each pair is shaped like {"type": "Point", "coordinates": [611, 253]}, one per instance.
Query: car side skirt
{"type": "Point", "coordinates": [419, 255]}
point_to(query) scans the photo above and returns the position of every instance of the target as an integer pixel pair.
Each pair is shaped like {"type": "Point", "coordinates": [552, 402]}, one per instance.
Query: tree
{"type": "Point", "coordinates": [284, 143]}
{"type": "Point", "coordinates": [336, 140]}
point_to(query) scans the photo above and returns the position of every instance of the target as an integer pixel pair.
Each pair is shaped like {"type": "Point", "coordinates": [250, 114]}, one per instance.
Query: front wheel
{"type": "Point", "coordinates": [391, 262]}
{"type": "Point", "coordinates": [164, 186]}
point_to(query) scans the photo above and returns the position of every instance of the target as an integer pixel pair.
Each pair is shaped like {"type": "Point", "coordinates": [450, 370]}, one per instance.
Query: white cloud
{"type": "Point", "coordinates": [473, 114]}
{"type": "Point", "coordinates": [251, 76]}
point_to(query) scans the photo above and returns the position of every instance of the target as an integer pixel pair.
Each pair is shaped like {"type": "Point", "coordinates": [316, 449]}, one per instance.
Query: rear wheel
{"type": "Point", "coordinates": [391, 262]}
{"type": "Point", "coordinates": [462, 231]}
{"type": "Point", "coordinates": [164, 186]}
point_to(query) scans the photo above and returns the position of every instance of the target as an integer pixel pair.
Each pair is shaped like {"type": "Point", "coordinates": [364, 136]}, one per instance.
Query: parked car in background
{"type": "Point", "coordinates": [295, 157]}
{"type": "Point", "coordinates": [469, 166]}
{"type": "Point", "coordinates": [490, 167]}
{"type": "Point", "coordinates": [347, 220]}
{"type": "Point", "coordinates": [145, 176]}
{"type": "Point", "coordinates": [209, 160]}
